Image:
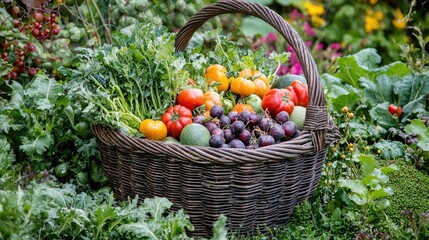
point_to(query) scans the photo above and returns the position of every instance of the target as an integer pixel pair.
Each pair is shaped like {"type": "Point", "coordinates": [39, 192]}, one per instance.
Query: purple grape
{"type": "Point", "coordinates": [290, 128]}
{"type": "Point", "coordinates": [233, 115]}
{"type": "Point", "coordinates": [217, 131]}
{"type": "Point", "coordinates": [216, 111]}
{"type": "Point", "coordinates": [237, 127]}
{"type": "Point", "coordinates": [253, 120]}
{"type": "Point", "coordinates": [228, 135]}
{"type": "Point", "coordinates": [244, 116]}
{"type": "Point", "coordinates": [265, 140]}
{"type": "Point", "coordinates": [245, 136]}
{"type": "Point", "coordinates": [216, 141]}
{"type": "Point", "coordinates": [277, 132]}
{"type": "Point", "coordinates": [224, 121]}
{"type": "Point", "coordinates": [265, 124]}
{"type": "Point", "coordinates": [211, 126]}
{"type": "Point", "coordinates": [282, 117]}
{"type": "Point", "coordinates": [199, 119]}
{"type": "Point", "coordinates": [237, 143]}
{"type": "Point", "coordinates": [225, 146]}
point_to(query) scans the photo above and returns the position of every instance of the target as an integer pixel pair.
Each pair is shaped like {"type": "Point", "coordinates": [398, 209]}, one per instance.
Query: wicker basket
{"type": "Point", "coordinates": [251, 187]}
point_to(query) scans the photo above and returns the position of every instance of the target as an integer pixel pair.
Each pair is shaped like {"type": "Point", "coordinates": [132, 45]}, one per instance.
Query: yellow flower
{"type": "Point", "coordinates": [398, 21]}
{"type": "Point", "coordinates": [373, 1]}
{"type": "Point", "coordinates": [373, 21]}
{"type": "Point", "coordinates": [318, 21]}
{"type": "Point", "coordinates": [314, 9]}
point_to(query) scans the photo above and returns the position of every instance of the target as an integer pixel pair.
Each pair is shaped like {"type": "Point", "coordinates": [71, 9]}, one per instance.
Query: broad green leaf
{"type": "Point", "coordinates": [390, 149]}
{"type": "Point", "coordinates": [382, 204]}
{"type": "Point", "coordinates": [252, 26]}
{"type": "Point", "coordinates": [378, 91]}
{"type": "Point", "coordinates": [370, 180]}
{"type": "Point", "coordinates": [141, 230]}
{"type": "Point", "coordinates": [296, 3]}
{"type": "Point", "coordinates": [156, 206]}
{"type": "Point", "coordinates": [418, 127]}
{"type": "Point", "coordinates": [355, 186]}
{"type": "Point", "coordinates": [380, 115]}
{"type": "Point", "coordinates": [367, 164]}
{"type": "Point", "coordinates": [44, 91]}
{"type": "Point", "coordinates": [219, 229]}
{"type": "Point", "coordinates": [411, 91]}
{"type": "Point", "coordinates": [378, 194]}
{"type": "Point", "coordinates": [389, 169]}
{"type": "Point", "coordinates": [37, 145]}
{"type": "Point", "coordinates": [358, 200]}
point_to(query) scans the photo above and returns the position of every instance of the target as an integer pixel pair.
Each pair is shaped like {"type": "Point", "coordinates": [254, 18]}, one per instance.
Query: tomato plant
{"type": "Point", "coordinates": [153, 129]}
{"type": "Point", "coordinates": [277, 100]}
{"type": "Point", "coordinates": [190, 98]}
{"type": "Point", "coordinates": [176, 118]}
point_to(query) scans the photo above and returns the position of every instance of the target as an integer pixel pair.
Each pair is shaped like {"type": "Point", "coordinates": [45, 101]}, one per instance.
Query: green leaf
{"type": "Point", "coordinates": [358, 200]}
{"type": "Point", "coordinates": [156, 206]}
{"type": "Point", "coordinates": [418, 127]}
{"type": "Point", "coordinates": [296, 3]}
{"type": "Point", "coordinates": [262, 2]}
{"type": "Point", "coordinates": [44, 91]}
{"type": "Point", "coordinates": [355, 186]}
{"type": "Point", "coordinates": [389, 169]}
{"type": "Point", "coordinates": [367, 164]}
{"type": "Point", "coordinates": [38, 145]}
{"type": "Point", "coordinates": [378, 194]}
{"type": "Point", "coordinates": [252, 26]}
{"type": "Point", "coordinates": [382, 204]}
{"type": "Point", "coordinates": [378, 91]}
{"type": "Point", "coordinates": [219, 229]}
{"type": "Point", "coordinates": [390, 149]}
{"type": "Point", "coordinates": [380, 115]}
{"type": "Point", "coordinates": [141, 229]}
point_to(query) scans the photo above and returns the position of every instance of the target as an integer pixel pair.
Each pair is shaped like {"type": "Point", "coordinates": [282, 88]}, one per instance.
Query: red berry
{"type": "Point", "coordinates": [38, 17]}
{"type": "Point", "coordinates": [53, 15]}
{"type": "Point", "coordinates": [8, 76]}
{"type": "Point", "coordinates": [35, 32]}
{"type": "Point", "coordinates": [21, 53]}
{"type": "Point", "coordinates": [13, 75]}
{"type": "Point", "coordinates": [5, 55]}
{"type": "Point", "coordinates": [40, 26]}
{"type": "Point", "coordinates": [15, 11]}
{"type": "Point", "coordinates": [36, 25]}
{"type": "Point", "coordinates": [32, 72]}
{"type": "Point", "coordinates": [21, 29]}
{"type": "Point", "coordinates": [31, 47]}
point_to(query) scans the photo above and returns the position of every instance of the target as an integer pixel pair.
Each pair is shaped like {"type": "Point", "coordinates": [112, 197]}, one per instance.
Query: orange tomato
{"type": "Point", "coordinates": [216, 75]}
{"type": "Point", "coordinates": [240, 107]}
{"type": "Point", "coordinates": [153, 129]}
{"type": "Point", "coordinates": [211, 99]}
{"type": "Point", "coordinates": [262, 85]}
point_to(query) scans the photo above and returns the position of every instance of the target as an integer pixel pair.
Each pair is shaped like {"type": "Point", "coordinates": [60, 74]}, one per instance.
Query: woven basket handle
{"type": "Point", "coordinates": [316, 121]}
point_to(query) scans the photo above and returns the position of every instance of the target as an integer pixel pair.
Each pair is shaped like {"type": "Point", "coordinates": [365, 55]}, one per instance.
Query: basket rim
{"type": "Point", "coordinates": [283, 151]}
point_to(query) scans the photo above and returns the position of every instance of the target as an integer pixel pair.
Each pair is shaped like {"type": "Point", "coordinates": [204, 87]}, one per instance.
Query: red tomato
{"type": "Point", "coordinates": [301, 92]}
{"type": "Point", "coordinates": [394, 110]}
{"type": "Point", "coordinates": [277, 100]}
{"type": "Point", "coordinates": [176, 118]}
{"type": "Point", "coordinates": [190, 98]}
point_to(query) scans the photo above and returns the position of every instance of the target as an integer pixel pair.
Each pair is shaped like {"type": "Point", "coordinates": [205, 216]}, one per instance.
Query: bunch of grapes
{"type": "Point", "coordinates": [20, 51]}
{"type": "Point", "coordinates": [246, 129]}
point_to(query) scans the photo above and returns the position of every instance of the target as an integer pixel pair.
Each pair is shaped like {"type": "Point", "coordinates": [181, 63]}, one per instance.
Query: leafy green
{"type": "Point", "coordinates": [418, 127]}
{"type": "Point", "coordinates": [390, 149]}
{"type": "Point", "coordinates": [364, 64]}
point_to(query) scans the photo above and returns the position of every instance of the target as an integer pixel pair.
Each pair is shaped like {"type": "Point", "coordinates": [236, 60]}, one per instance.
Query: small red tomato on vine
{"type": "Point", "coordinates": [394, 110]}
{"type": "Point", "coordinates": [176, 118]}
{"type": "Point", "coordinates": [191, 98]}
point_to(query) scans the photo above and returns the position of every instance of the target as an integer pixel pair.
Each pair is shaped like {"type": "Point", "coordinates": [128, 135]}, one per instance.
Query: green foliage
{"type": "Point", "coordinates": [53, 212]}
{"type": "Point", "coordinates": [45, 126]}
{"type": "Point", "coordinates": [411, 188]}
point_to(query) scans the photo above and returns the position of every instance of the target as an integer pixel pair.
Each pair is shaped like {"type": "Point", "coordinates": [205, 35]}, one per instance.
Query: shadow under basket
{"type": "Point", "coordinates": [253, 188]}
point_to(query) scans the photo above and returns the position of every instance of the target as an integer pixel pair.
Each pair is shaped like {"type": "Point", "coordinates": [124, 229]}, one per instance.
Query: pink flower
{"type": "Point", "coordinates": [295, 14]}
{"type": "Point", "coordinates": [271, 38]}
{"type": "Point", "coordinates": [320, 46]}
{"type": "Point", "coordinates": [283, 70]}
{"type": "Point", "coordinates": [309, 30]}
{"type": "Point", "coordinates": [308, 44]}
{"type": "Point", "coordinates": [296, 69]}
{"type": "Point", "coordinates": [335, 46]}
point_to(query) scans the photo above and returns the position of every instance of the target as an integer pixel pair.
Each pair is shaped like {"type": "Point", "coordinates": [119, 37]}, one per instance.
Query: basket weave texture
{"type": "Point", "coordinates": [251, 187]}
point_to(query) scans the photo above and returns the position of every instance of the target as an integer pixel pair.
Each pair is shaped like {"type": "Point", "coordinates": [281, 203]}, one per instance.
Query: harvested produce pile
{"type": "Point", "coordinates": [146, 89]}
